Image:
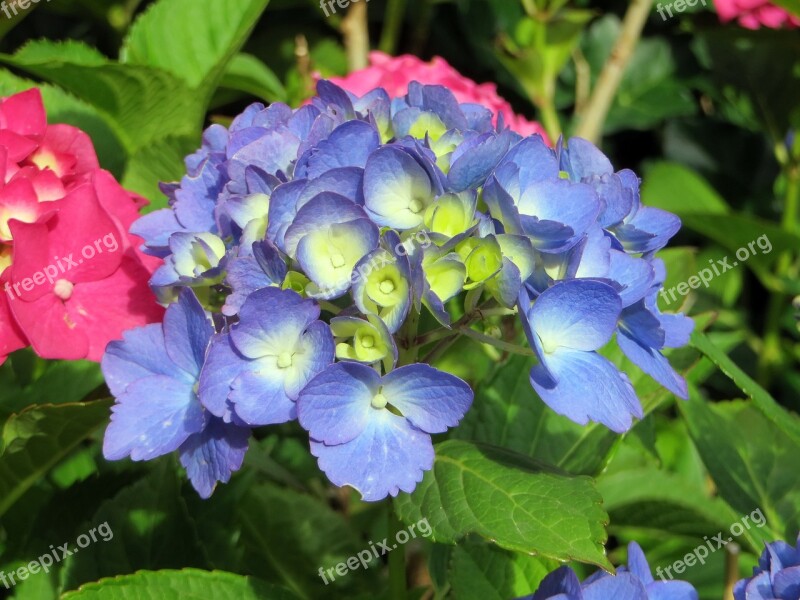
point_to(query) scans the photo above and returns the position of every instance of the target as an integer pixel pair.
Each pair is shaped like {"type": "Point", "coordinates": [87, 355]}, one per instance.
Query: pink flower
{"type": "Point", "coordinates": [754, 13]}
{"type": "Point", "coordinates": [71, 276]}
{"type": "Point", "coordinates": [395, 73]}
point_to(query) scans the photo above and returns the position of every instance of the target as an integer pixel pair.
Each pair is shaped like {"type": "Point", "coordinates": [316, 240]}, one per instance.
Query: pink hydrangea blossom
{"type": "Point", "coordinates": [395, 73]}
{"type": "Point", "coordinates": [753, 14]}
{"type": "Point", "coordinates": [71, 276]}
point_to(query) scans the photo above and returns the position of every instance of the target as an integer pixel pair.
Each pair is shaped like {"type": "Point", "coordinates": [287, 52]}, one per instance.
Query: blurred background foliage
{"type": "Point", "coordinates": [706, 113]}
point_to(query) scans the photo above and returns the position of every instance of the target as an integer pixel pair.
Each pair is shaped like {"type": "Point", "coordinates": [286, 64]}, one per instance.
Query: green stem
{"type": "Point", "coordinates": [409, 349]}
{"type": "Point", "coordinates": [770, 356]}
{"type": "Point", "coordinates": [397, 559]}
{"type": "Point", "coordinates": [550, 118]}
{"type": "Point", "coordinates": [395, 10]}
{"type": "Point", "coordinates": [486, 339]}
{"type": "Point", "coordinates": [590, 124]}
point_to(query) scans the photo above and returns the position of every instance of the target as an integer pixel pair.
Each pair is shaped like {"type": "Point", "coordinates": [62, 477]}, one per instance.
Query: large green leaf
{"type": "Point", "coordinates": [38, 439]}
{"type": "Point", "coordinates": [509, 499]}
{"type": "Point", "coordinates": [187, 584]}
{"type": "Point", "coordinates": [160, 161]}
{"type": "Point", "coordinates": [752, 462]}
{"type": "Point", "coordinates": [151, 530]}
{"type": "Point", "coordinates": [481, 571]}
{"type": "Point", "coordinates": [192, 40]}
{"type": "Point", "coordinates": [288, 536]}
{"type": "Point", "coordinates": [508, 413]}
{"type": "Point", "coordinates": [786, 421]}
{"type": "Point", "coordinates": [140, 103]}
{"type": "Point", "coordinates": [246, 73]}
{"type": "Point", "coordinates": [675, 188]}
{"type": "Point", "coordinates": [666, 505]}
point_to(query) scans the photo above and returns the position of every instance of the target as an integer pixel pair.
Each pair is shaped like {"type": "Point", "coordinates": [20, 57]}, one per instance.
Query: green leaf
{"type": "Point", "coordinates": [788, 422]}
{"type": "Point", "coordinates": [246, 73]}
{"type": "Point", "coordinates": [192, 40]}
{"type": "Point", "coordinates": [140, 103]}
{"type": "Point", "coordinates": [288, 536]}
{"type": "Point", "coordinates": [753, 463]}
{"type": "Point", "coordinates": [39, 438]}
{"type": "Point", "coordinates": [509, 499]}
{"type": "Point", "coordinates": [675, 188]}
{"type": "Point", "coordinates": [508, 413]}
{"type": "Point", "coordinates": [668, 506]}
{"type": "Point", "coordinates": [187, 584]}
{"type": "Point", "coordinates": [150, 529]}
{"type": "Point", "coordinates": [481, 571]}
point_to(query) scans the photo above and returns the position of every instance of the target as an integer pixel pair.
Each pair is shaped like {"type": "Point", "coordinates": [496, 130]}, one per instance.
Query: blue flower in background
{"type": "Point", "coordinates": [153, 374]}
{"type": "Point", "coordinates": [374, 433]}
{"type": "Point", "coordinates": [634, 582]}
{"type": "Point", "coordinates": [776, 577]}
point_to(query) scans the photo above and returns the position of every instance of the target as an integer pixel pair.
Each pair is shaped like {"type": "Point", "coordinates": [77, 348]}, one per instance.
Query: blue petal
{"type": "Point", "coordinates": [573, 205]}
{"type": "Point", "coordinates": [561, 583]}
{"type": "Point", "coordinates": [213, 455]}
{"type": "Point", "coordinates": [585, 386]}
{"type": "Point", "coordinates": [622, 586]}
{"type": "Point", "coordinates": [244, 275]}
{"type": "Point", "coordinates": [582, 159]}
{"type": "Point", "coordinates": [223, 365]}
{"type": "Point", "coordinates": [187, 332]}
{"type": "Point", "coordinates": [397, 189]}
{"type": "Point", "coordinates": [313, 353]}
{"type": "Point", "coordinates": [432, 400]}
{"type": "Point", "coordinates": [335, 406]}
{"type": "Point", "coordinates": [655, 364]}
{"type": "Point", "coordinates": [534, 161]}
{"type": "Point", "coordinates": [388, 457]}
{"type": "Point", "coordinates": [156, 228]}
{"type": "Point", "coordinates": [349, 145]}
{"type": "Point", "coordinates": [649, 229]}
{"type": "Point", "coordinates": [476, 158]}
{"type": "Point", "coordinates": [671, 590]}
{"type": "Point", "coordinates": [259, 395]}
{"type": "Point", "coordinates": [580, 314]}
{"type": "Point", "coordinates": [635, 275]}
{"type": "Point", "coordinates": [140, 354]}
{"type": "Point", "coordinates": [320, 213]}
{"type": "Point", "coordinates": [271, 320]}
{"type": "Point", "coordinates": [786, 583]}
{"type": "Point", "coordinates": [637, 563]}
{"type": "Point", "coordinates": [153, 417]}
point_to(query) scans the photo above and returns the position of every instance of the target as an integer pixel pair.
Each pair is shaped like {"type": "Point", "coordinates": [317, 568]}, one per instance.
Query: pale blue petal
{"type": "Point", "coordinates": [210, 457]}
{"type": "Point", "coordinates": [335, 406]}
{"type": "Point", "coordinates": [586, 387]}
{"type": "Point", "coordinates": [388, 457]}
{"type": "Point", "coordinates": [431, 399]}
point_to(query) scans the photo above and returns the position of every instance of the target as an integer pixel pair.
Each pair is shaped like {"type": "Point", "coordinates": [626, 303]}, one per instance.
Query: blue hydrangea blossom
{"type": "Point", "coordinates": [303, 247]}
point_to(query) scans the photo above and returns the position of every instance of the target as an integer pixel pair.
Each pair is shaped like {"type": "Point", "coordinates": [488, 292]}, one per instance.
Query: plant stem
{"type": "Point", "coordinates": [393, 22]}
{"type": "Point", "coordinates": [731, 569]}
{"type": "Point", "coordinates": [397, 559]}
{"type": "Point", "coordinates": [409, 348]}
{"type": "Point", "coordinates": [486, 339]}
{"type": "Point", "coordinates": [770, 355]}
{"type": "Point", "coordinates": [590, 125]}
{"type": "Point", "coordinates": [356, 36]}
{"type": "Point", "coordinates": [550, 118]}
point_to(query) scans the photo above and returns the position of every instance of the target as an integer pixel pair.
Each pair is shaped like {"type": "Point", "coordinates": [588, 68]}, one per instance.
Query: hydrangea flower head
{"type": "Point", "coordinates": [318, 238]}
